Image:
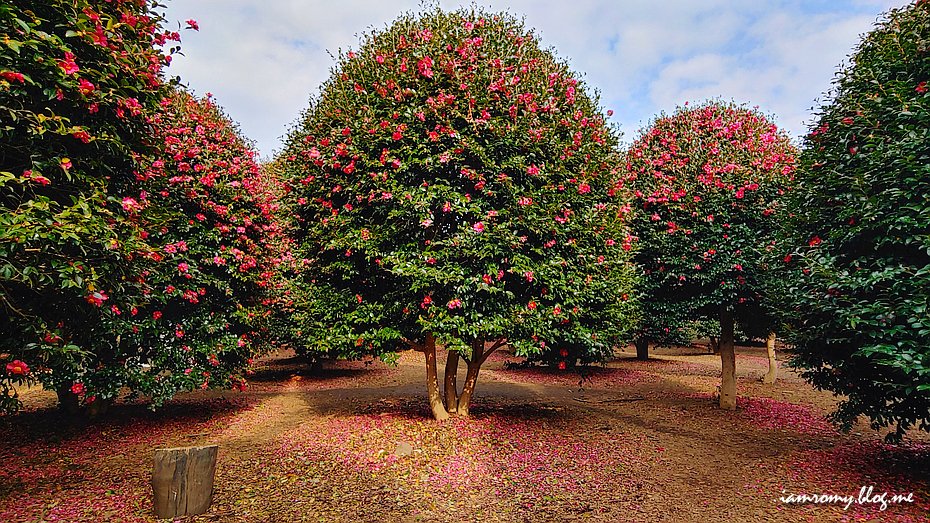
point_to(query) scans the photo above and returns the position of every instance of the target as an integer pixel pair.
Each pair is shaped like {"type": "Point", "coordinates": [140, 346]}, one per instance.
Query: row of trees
{"type": "Point", "coordinates": [453, 186]}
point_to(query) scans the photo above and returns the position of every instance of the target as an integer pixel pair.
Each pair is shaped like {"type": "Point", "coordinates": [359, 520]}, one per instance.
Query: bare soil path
{"type": "Point", "coordinates": [633, 441]}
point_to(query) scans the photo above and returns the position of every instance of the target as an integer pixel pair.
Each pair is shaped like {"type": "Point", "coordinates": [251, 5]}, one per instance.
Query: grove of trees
{"type": "Point", "coordinates": [453, 186]}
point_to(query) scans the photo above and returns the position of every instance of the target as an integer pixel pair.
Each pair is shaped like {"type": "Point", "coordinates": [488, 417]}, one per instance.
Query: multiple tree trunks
{"type": "Point", "coordinates": [182, 480]}
{"type": "Point", "coordinates": [451, 401]}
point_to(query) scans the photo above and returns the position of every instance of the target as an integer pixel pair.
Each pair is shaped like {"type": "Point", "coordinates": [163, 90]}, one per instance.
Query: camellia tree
{"type": "Point", "coordinates": [78, 80]}
{"type": "Point", "coordinates": [708, 183]}
{"type": "Point", "coordinates": [204, 282]}
{"type": "Point", "coordinates": [131, 238]}
{"type": "Point", "coordinates": [860, 311]}
{"type": "Point", "coordinates": [454, 186]}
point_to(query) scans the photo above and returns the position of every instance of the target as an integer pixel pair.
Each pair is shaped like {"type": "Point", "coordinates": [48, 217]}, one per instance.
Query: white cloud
{"type": "Point", "coordinates": [264, 59]}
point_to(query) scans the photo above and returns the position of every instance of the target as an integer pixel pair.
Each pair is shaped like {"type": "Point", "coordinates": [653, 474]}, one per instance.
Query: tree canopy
{"type": "Point", "coordinates": [455, 184]}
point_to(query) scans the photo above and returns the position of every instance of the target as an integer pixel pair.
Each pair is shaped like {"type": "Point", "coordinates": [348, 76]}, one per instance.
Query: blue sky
{"type": "Point", "coordinates": [263, 59]}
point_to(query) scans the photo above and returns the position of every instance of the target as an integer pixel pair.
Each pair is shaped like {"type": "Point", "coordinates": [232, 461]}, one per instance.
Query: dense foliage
{"type": "Point", "coordinates": [863, 232]}
{"type": "Point", "coordinates": [454, 184]}
{"type": "Point", "coordinates": [130, 237]}
{"type": "Point", "coordinates": [77, 83]}
{"type": "Point", "coordinates": [708, 183]}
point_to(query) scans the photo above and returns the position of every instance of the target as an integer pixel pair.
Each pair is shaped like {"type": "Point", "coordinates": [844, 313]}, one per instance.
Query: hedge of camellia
{"type": "Point", "coordinates": [708, 183]}
{"type": "Point", "coordinates": [455, 187]}
{"type": "Point", "coordinates": [862, 305]}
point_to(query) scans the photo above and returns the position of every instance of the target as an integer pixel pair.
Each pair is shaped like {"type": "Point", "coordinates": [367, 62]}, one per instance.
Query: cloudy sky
{"type": "Point", "coordinates": [263, 59]}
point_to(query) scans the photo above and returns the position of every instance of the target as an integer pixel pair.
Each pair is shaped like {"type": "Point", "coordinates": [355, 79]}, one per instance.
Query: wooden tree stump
{"type": "Point", "coordinates": [182, 480]}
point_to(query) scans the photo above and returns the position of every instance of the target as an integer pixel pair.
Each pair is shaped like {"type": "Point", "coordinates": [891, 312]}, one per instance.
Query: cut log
{"type": "Point", "coordinates": [182, 480]}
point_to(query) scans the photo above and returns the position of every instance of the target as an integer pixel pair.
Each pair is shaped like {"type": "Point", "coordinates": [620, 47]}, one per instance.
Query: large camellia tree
{"type": "Point", "coordinates": [708, 183]}
{"type": "Point", "coordinates": [454, 185]}
{"type": "Point", "coordinates": [862, 308]}
{"type": "Point", "coordinates": [78, 81]}
{"type": "Point", "coordinates": [131, 225]}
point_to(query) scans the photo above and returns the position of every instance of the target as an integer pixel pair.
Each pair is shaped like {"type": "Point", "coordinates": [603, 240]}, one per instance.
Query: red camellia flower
{"type": "Point", "coordinates": [86, 87]}
{"type": "Point", "coordinates": [561, 365]}
{"type": "Point", "coordinates": [17, 367]}
{"type": "Point", "coordinates": [563, 353]}
{"type": "Point", "coordinates": [96, 298]}
{"type": "Point", "coordinates": [11, 76]}
{"type": "Point", "coordinates": [814, 241]}
{"type": "Point", "coordinates": [478, 227]}
{"type": "Point", "coordinates": [921, 87]}
{"type": "Point", "coordinates": [68, 65]}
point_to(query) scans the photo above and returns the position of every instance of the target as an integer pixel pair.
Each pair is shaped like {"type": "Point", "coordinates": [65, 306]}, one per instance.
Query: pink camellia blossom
{"type": "Point", "coordinates": [183, 267]}
{"type": "Point", "coordinates": [446, 207]}
{"type": "Point", "coordinates": [557, 310]}
{"type": "Point", "coordinates": [532, 170]}
{"type": "Point", "coordinates": [82, 136]}
{"type": "Point", "coordinates": [179, 333]}
{"type": "Point", "coordinates": [424, 66]}
{"type": "Point", "coordinates": [561, 365]}
{"type": "Point", "coordinates": [17, 367]}
{"type": "Point", "coordinates": [66, 164]}
{"type": "Point", "coordinates": [156, 314]}
{"type": "Point", "coordinates": [525, 201]}
{"type": "Point", "coordinates": [454, 303]}
{"type": "Point", "coordinates": [531, 305]}
{"type": "Point", "coordinates": [77, 388]}
{"type": "Point", "coordinates": [86, 87]}
{"type": "Point", "coordinates": [96, 298]}
{"type": "Point", "coordinates": [68, 65]}
{"type": "Point", "coordinates": [584, 188]}
{"type": "Point", "coordinates": [478, 227]}
{"type": "Point", "coordinates": [427, 301]}
{"type": "Point", "coordinates": [529, 275]}
{"type": "Point", "coordinates": [13, 77]}
{"type": "Point", "coordinates": [192, 24]}
{"type": "Point", "coordinates": [130, 205]}
{"type": "Point", "coordinates": [921, 87]}
{"type": "Point", "coordinates": [486, 279]}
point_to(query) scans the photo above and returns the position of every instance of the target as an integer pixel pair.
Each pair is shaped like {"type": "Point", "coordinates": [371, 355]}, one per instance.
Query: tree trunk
{"type": "Point", "coordinates": [432, 380]}
{"type": "Point", "coordinates": [451, 385]}
{"type": "Point", "coordinates": [478, 357]}
{"type": "Point", "coordinates": [770, 376]}
{"type": "Point", "coordinates": [714, 345]}
{"type": "Point", "coordinates": [182, 480]}
{"type": "Point", "coordinates": [727, 360]}
{"type": "Point", "coordinates": [642, 348]}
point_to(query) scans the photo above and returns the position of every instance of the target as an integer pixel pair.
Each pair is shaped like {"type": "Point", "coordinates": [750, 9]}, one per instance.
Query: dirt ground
{"type": "Point", "coordinates": [638, 441]}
